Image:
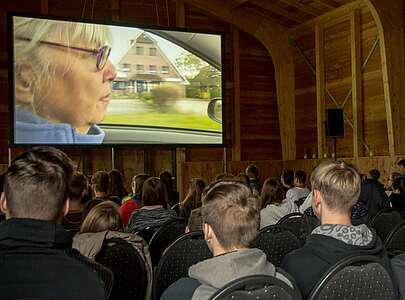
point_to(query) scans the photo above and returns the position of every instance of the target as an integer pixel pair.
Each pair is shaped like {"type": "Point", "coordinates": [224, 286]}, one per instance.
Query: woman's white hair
{"type": "Point", "coordinates": [33, 57]}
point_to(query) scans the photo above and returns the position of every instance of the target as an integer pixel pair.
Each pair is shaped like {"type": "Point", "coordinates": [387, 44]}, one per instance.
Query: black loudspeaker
{"type": "Point", "coordinates": [334, 122]}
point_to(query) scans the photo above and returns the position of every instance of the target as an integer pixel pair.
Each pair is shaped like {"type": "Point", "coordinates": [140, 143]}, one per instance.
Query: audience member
{"type": "Point", "coordinates": [100, 183]}
{"type": "Point", "coordinates": [169, 195]}
{"type": "Point", "coordinates": [253, 173]}
{"type": "Point", "coordinates": [152, 213]}
{"type": "Point", "coordinates": [336, 188]}
{"type": "Point", "coordinates": [401, 165]}
{"type": "Point", "coordinates": [244, 179]}
{"type": "Point", "coordinates": [397, 196]}
{"type": "Point", "coordinates": [134, 201]}
{"type": "Point", "coordinates": [299, 190]}
{"type": "Point", "coordinates": [287, 180]}
{"type": "Point", "coordinates": [77, 189]}
{"type": "Point", "coordinates": [375, 175]}
{"type": "Point", "coordinates": [38, 262]}
{"type": "Point", "coordinates": [374, 197]}
{"type": "Point", "coordinates": [116, 185]}
{"type": "Point", "coordinates": [102, 223]}
{"type": "Point", "coordinates": [390, 182]}
{"type": "Point", "coordinates": [275, 206]}
{"type": "Point", "coordinates": [195, 221]}
{"type": "Point", "coordinates": [230, 222]}
{"type": "Point", "coordinates": [193, 198]}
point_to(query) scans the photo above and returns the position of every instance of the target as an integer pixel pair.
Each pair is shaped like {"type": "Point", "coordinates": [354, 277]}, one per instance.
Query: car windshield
{"type": "Point", "coordinates": [161, 84]}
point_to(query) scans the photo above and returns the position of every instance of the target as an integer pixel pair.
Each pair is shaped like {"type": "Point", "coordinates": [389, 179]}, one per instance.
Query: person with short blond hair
{"type": "Point", "coordinates": [231, 221]}
{"type": "Point", "coordinates": [335, 190]}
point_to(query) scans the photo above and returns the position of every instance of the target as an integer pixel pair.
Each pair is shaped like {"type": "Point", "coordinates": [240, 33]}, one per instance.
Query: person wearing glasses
{"type": "Point", "coordinates": [63, 81]}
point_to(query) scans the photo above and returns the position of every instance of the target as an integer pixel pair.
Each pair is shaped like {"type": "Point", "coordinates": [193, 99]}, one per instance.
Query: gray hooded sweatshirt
{"type": "Point", "coordinates": [218, 271]}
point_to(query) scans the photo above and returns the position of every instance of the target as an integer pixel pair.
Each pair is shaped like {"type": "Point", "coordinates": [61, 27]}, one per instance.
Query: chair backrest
{"type": "Point", "coordinates": [128, 267]}
{"type": "Point", "coordinates": [277, 241]}
{"type": "Point", "coordinates": [148, 232]}
{"type": "Point", "coordinates": [176, 208]}
{"type": "Point", "coordinates": [361, 277]}
{"type": "Point", "coordinates": [385, 221]}
{"type": "Point", "coordinates": [186, 251]}
{"type": "Point", "coordinates": [297, 223]}
{"type": "Point", "coordinates": [164, 236]}
{"type": "Point", "coordinates": [257, 287]}
{"type": "Point", "coordinates": [396, 240]}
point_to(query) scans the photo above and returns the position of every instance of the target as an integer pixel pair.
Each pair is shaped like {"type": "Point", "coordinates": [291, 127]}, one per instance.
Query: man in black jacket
{"type": "Point", "coordinates": [36, 259]}
{"type": "Point", "coordinates": [335, 188]}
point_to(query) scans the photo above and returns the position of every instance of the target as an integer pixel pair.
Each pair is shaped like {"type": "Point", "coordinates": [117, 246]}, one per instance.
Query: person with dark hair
{"type": "Point", "coordinates": [335, 189]}
{"type": "Point", "coordinates": [152, 213]}
{"type": "Point", "coordinates": [287, 179]}
{"type": "Point", "coordinates": [274, 205]}
{"type": "Point", "coordinates": [375, 175]}
{"type": "Point", "coordinates": [78, 186]}
{"type": "Point", "coordinates": [195, 221]}
{"type": "Point", "coordinates": [401, 165]}
{"type": "Point", "coordinates": [116, 185]}
{"type": "Point", "coordinates": [134, 201]}
{"type": "Point", "coordinates": [299, 190]}
{"type": "Point", "coordinates": [193, 198]}
{"type": "Point", "coordinates": [253, 173]}
{"type": "Point", "coordinates": [36, 247]}
{"type": "Point", "coordinates": [389, 187]}
{"type": "Point", "coordinates": [373, 196]}
{"type": "Point", "coordinates": [230, 222]}
{"type": "Point", "coordinates": [170, 196]}
{"type": "Point", "coordinates": [397, 196]}
{"type": "Point", "coordinates": [100, 183]}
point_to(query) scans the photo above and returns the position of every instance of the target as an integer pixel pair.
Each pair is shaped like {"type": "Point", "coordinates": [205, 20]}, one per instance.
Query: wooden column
{"type": "Point", "coordinates": [355, 43]}
{"type": "Point", "coordinates": [115, 10]}
{"type": "Point", "coordinates": [44, 7]}
{"type": "Point", "coordinates": [236, 147]}
{"type": "Point", "coordinates": [180, 13]}
{"type": "Point", "coordinates": [320, 87]}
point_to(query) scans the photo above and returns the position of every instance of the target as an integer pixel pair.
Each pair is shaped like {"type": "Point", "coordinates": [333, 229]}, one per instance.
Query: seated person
{"type": "Point", "coordinates": [133, 202]}
{"type": "Point", "coordinates": [40, 263]}
{"type": "Point", "coordinates": [253, 173]}
{"type": "Point", "coordinates": [78, 186]}
{"type": "Point", "coordinates": [116, 188]}
{"type": "Point", "coordinates": [274, 205]}
{"type": "Point", "coordinates": [100, 183]}
{"type": "Point", "coordinates": [287, 180]}
{"type": "Point", "coordinates": [195, 221]}
{"type": "Point", "coordinates": [193, 198]}
{"type": "Point", "coordinates": [389, 187]}
{"type": "Point", "coordinates": [299, 190]}
{"type": "Point", "coordinates": [104, 222]}
{"type": "Point", "coordinates": [335, 189]}
{"type": "Point", "coordinates": [397, 196]}
{"type": "Point", "coordinates": [151, 213]}
{"type": "Point", "coordinates": [231, 223]}
{"type": "Point", "coordinates": [170, 196]}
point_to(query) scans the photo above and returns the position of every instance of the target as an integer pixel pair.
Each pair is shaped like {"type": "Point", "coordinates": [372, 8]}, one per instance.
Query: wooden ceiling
{"type": "Point", "coordinates": [288, 13]}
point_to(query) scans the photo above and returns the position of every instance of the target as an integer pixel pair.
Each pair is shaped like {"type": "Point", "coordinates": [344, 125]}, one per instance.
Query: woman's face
{"type": "Point", "coordinates": [78, 93]}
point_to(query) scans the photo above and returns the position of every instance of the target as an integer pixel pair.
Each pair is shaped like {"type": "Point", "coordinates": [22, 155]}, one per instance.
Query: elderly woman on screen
{"type": "Point", "coordinates": [62, 81]}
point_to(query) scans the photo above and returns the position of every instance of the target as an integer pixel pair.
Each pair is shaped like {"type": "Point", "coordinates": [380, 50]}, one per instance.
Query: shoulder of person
{"type": "Point", "coordinates": [182, 289]}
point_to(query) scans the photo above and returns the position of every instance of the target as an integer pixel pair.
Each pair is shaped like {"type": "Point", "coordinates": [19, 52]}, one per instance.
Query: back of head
{"type": "Point", "coordinates": [116, 186]}
{"type": "Point", "coordinates": [36, 184]}
{"type": "Point", "coordinates": [338, 183]}
{"type": "Point", "coordinates": [401, 163]}
{"type": "Point", "coordinates": [194, 194]}
{"type": "Point", "coordinates": [252, 171]}
{"type": "Point", "coordinates": [230, 208]}
{"type": "Point", "coordinates": [151, 192]}
{"type": "Point", "coordinates": [300, 176]}
{"type": "Point", "coordinates": [272, 192]}
{"type": "Point", "coordinates": [100, 182]}
{"type": "Point", "coordinates": [166, 180]}
{"type": "Point", "coordinates": [78, 186]}
{"type": "Point", "coordinates": [287, 177]}
{"type": "Point", "coordinates": [375, 174]}
{"type": "Point", "coordinates": [102, 217]}
{"type": "Point", "coordinates": [137, 183]}
{"type": "Point", "coordinates": [195, 220]}
{"type": "Point", "coordinates": [399, 184]}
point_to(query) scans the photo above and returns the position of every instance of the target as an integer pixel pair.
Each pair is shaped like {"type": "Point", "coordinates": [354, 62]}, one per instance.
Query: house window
{"type": "Point", "coordinates": [152, 69]}
{"type": "Point", "coordinates": [152, 51]}
{"type": "Point", "coordinates": [140, 68]}
{"type": "Point", "coordinates": [126, 67]}
{"type": "Point", "coordinates": [164, 70]}
{"type": "Point", "coordinates": [139, 50]}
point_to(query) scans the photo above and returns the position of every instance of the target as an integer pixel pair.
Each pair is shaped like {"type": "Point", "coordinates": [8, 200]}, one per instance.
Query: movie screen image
{"type": "Point", "coordinates": [88, 83]}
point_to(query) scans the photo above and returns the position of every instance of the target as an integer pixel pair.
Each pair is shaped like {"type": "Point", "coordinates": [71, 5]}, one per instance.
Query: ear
{"type": "Point", "coordinates": [3, 203]}
{"type": "Point", "coordinates": [187, 229]}
{"type": "Point", "coordinates": [207, 232]}
{"type": "Point", "coordinates": [316, 202]}
{"type": "Point", "coordinates": [66, 207]}
{"type": "Point", "coordinates": [24, 83]}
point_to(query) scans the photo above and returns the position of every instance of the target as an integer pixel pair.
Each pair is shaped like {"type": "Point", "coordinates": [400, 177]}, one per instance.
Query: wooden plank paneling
{"type": "Point", "coordinates": [320, 88]}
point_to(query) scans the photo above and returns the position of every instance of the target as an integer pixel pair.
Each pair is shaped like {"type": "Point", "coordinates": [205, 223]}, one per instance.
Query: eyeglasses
{"type": "Point", "coordinates": [101, 54]}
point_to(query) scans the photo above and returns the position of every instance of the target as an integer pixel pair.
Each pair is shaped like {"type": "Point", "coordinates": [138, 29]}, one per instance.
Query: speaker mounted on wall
{"type": "Point", "coordinates": [334, 123]}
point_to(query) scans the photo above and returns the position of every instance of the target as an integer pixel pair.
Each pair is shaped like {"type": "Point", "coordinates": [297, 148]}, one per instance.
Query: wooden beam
{"type": "Point", "coordinates": [115, 10]}
{"type": "Point", "coordinates": [335, 16]}
{"type": "Point", "coordinates": [355, 45]}
{"type": "Point", "coordinates": [44, 6]}
{"type": "Point", "coordinates": [180, 13]}
{"type": "Point", "coordinates": [302, 7]}
{"type": "Point", "coordinates": [236, 147]}
{"type": "Point", "coordinates": [331, 4]}
{"type": "Point", "coordinates": [180, 159]}
{"type": "Point", "coordinates": [320, 87]}
{"type": "Point", "coordinates": [389, 21]}
{"type": "Point", "coordinates": [237, 3]}
{"type": "Point", "coordinates": [278, 10]}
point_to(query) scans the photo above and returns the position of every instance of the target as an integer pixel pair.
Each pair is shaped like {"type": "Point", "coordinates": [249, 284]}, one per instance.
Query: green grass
{"type": "Point", "coordinates": [165, 120]}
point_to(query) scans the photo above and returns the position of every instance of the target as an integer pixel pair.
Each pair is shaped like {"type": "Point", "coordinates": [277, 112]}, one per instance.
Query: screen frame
{"type": "Point", "coordinates": [11, 83]}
